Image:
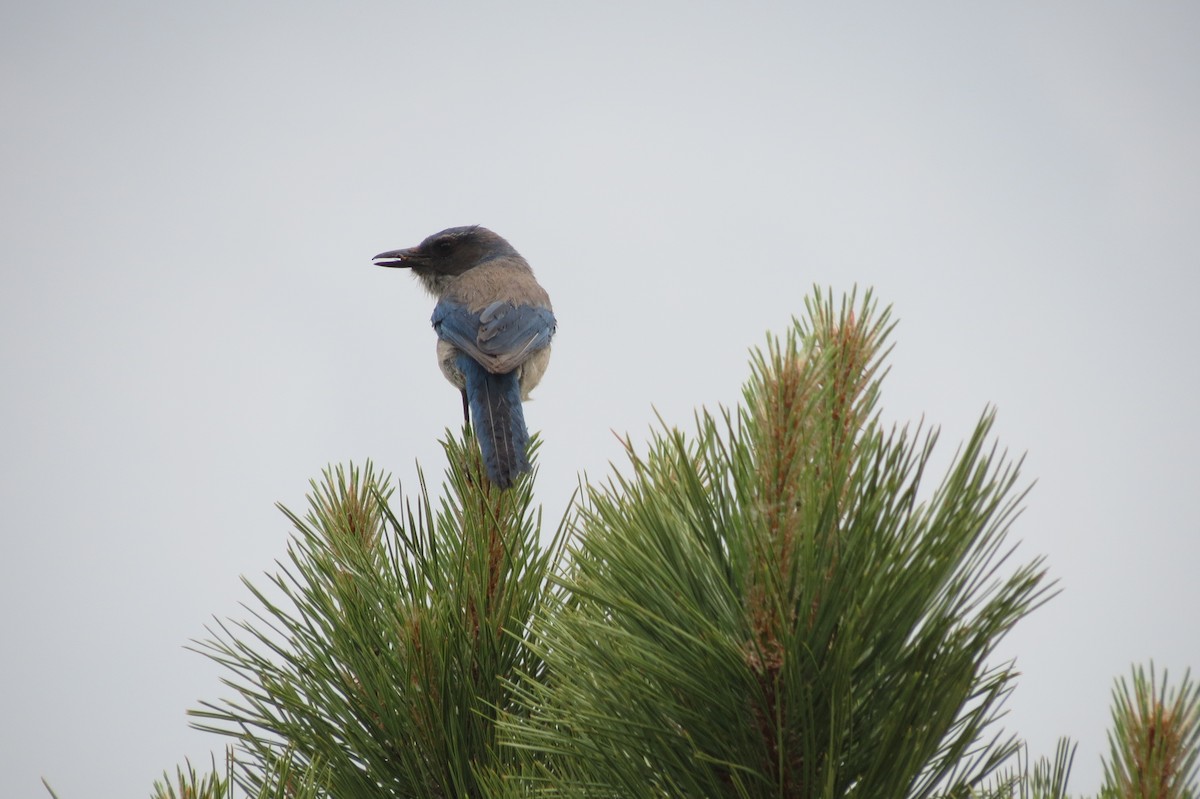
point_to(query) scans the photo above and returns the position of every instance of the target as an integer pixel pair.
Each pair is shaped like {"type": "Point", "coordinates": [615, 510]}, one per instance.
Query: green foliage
{"type": "Point", "coordinates": [190, 785]}
{"type": "Point", "coordinates": [281, 779]}
{"type": "Point", "coordinates": [380, 664]}
{"type": "Point", "coordinates": [1046, 779]}
{"type": "Point", "coordinates": [769, 607]}
{"type": "Point", "coordinates": [777, 604]}
{"type": "Point", "coordinates": [1154, 742]}
{"type": "Point", "coordinates": [279, 783]}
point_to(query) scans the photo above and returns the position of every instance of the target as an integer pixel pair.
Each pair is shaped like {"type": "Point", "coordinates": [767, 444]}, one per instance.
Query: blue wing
{"type": "Point", "coordinates": [501, 337]}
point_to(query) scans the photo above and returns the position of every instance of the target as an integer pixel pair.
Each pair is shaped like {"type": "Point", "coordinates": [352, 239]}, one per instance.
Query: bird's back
{"type": "Point", "coordinates": [503, 279]}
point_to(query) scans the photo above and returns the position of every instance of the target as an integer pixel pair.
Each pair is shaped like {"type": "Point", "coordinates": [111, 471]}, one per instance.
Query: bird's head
{"type": "Point", "coordinates": [447, 254]}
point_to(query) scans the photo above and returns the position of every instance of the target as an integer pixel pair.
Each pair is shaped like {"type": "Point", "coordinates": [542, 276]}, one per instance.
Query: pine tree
{"type": "Point", "coordinates": [777, 603]}
{"type": "Point", "coordinates": [771, 607]}
{"type": "Point", "coordinates": [385, 661]}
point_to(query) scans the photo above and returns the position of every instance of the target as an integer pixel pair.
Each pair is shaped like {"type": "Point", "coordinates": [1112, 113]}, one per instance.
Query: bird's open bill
{"type": "Point", "coordinates": [393, 258]}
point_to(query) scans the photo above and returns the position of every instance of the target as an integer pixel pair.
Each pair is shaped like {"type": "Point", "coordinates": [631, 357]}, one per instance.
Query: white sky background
{"type": "Point", "coordinates": [192, 329]}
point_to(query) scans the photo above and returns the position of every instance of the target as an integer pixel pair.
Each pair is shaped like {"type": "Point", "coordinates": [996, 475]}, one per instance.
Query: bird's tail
{"type": "Point", "coordinates": [499, 422]}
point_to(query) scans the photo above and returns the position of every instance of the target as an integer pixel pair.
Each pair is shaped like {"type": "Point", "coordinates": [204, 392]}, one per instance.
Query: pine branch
{"type": "Point", "coordinates": [1155, 738]}
{"type": "Point", "coordinates": [377, 655]}
{"type": "Point", "coordinates": [1043, 779]}
{"type": "Point", "coordinates": [766, 608]}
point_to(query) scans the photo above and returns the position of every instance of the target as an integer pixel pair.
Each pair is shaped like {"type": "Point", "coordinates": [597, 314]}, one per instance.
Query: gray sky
{"type": "Point", "coordinates": [191, 194]}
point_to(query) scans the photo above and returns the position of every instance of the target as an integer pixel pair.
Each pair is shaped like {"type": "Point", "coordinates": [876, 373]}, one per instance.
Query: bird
{"type": "Point", "coordinates": [494, 325]}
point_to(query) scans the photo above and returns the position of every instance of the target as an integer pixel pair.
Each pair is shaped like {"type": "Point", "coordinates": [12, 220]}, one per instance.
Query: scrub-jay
{"type": "Point", "coordinates": [494, 324]}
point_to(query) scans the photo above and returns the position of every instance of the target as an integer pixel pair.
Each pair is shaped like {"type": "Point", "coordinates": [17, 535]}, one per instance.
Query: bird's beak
{"type": "Point", "coordinates": [401, 258]}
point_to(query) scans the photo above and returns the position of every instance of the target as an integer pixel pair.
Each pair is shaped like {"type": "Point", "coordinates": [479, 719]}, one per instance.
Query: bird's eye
{"type": "Point", "coordinates": [443, 246]}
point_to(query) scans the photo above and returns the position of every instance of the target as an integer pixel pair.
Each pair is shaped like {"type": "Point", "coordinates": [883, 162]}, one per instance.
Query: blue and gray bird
{"type": "Point", "coordinates": [494, 324]}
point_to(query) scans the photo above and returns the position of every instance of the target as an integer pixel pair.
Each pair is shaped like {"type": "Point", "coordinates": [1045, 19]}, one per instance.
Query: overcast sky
{"type": "Point", "coordinates": [191, 194]}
